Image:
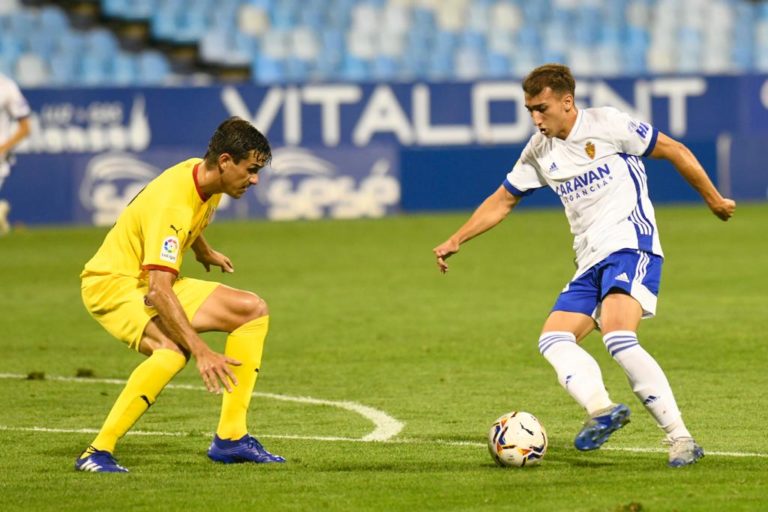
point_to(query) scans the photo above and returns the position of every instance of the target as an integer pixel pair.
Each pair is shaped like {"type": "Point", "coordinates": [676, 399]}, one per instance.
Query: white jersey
{"type": "Point", "coordinates": [600, 180]}
{"type": "Point", "coordinates": [13, 106]}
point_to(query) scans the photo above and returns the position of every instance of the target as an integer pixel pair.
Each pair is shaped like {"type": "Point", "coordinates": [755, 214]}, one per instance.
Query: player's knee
{"type": "Point", "coordinates": [250, 306]}
{"type": "Point", "coordinates": [156, 338]}
{"type": "Point", "coordinates": [179, 350]}
{"type": "Point", "coordinates": [149, 345]}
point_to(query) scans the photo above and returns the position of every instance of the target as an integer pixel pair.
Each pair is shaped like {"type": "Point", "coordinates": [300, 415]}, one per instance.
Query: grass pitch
{"type": "Point", "coordinates": [360, 313]}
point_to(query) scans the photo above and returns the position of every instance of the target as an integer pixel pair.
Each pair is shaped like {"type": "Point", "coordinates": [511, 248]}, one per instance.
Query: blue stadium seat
{"type": "Point", "coordinates": [384, 68]}
{"type": "Point", "coordinates": [332, 39]}
{"type": "Point", "coordinates": [115, 8]}
{"type": "Point", "coordinates": [439, 66]}
{"type": "Point", "coordinates": [326, 67]}
{"type": "Point", "coordinates": [296, 70]}
{"type": "Point", "coordinates": [70, 43]}
{"type": "Point", "coordinates": [64, 67]}
{"type": "Point", "coordinates": [43, 43]}
{"type": "Point", "coordinates": [268, 70]}
{"type": "Point", "coordinates": [163, 23]}
{"type": "Point", "coordinates": [153, 68]}
{"type": "Point", "coordinates": [497, 65]}
{"type": "Point", "coordinates": [264, 4]}
{"type": "Point", "coordinates": [124, 69]}
{"type": "Point", "coordinates": [11, 46]}
{"type": "Point", "coordinates": [354, 69]}
{"type": "Point", "coordinates": [53, 20]}
{"type": "Point", "coordinates": [7, 66]}
{"type": "Point", "coordinates": [312, 17]}
{"type": "Point", "coordinates": [473, 40]}
{"type": "Point", "coordinates": [101, 43]}
{"type": "Point", "coordinates": [21, 22]}
{"type": "Point", "coordinates": [553, 55]}
{"type": "Point", "coordinates": [190, 26]}
{"type": "Point", "coordinates": [423, 20]}
{"type": "Point", "coordinates": [285, 15]}
{"type": "Point", "coordinates": [94, 69]}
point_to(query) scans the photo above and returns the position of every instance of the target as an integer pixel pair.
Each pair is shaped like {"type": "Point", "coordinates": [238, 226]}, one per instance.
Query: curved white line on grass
{"type": "Point", "coordinates": [386, 427]}
{"type": "Point", "coordinates": [442, 442]}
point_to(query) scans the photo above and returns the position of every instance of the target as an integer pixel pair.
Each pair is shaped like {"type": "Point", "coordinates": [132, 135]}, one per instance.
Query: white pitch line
{"type": "Point", "coordinates": [176, 434]}
{"type": "Point", "coordinates": [386, 427]}
{"type": "Point", "coordinates": [606, 448]}
{"type": "Point", "coordinates": [471, 444]}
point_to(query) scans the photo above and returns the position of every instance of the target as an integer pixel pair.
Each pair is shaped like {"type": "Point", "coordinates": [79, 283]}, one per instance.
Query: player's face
{"type": "Point", "coordinates": [550, 112]}
{"type": "Point", "coordinates": [237, 177]}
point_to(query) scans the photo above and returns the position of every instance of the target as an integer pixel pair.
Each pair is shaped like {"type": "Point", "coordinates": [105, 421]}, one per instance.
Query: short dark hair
{"type": "Point", "coordinates": [555, 76]}
{"type": "Point", "coordinates": [237, 137]}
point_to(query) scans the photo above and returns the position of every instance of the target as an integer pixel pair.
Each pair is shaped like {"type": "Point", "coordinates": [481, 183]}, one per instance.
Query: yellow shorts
{"type": "Point", "coordinates": [117, 303]}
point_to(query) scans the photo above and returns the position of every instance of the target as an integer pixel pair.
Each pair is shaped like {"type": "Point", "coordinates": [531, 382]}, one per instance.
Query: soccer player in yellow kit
{"type": "Point", "coordinates": [133, 289]}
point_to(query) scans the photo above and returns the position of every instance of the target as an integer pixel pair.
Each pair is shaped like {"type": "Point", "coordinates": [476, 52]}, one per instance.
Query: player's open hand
{"type": "Point", "coordinates": [216, 259]}
{"type": "Point", "coordinates": [724, 209]}
{"type": "Point", "coordinates": [444, 251]}
{"type": "Point", "coordinates": [215, 371]}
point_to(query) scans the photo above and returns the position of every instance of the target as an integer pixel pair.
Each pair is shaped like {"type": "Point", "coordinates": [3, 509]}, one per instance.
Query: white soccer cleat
{"type": "Point", "coordinates": [683, 451]}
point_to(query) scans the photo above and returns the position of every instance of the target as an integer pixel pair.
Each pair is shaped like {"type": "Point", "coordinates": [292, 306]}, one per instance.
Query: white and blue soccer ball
{"type": "Point", "coordinates": [517, 439]}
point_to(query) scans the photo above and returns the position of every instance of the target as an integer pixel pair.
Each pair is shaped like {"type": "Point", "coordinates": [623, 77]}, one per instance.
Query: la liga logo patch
{"type": "Point", "coordinates": [170, 249]}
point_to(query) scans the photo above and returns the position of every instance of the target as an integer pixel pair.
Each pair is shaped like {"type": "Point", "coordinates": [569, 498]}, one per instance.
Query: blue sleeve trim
{"type": "Point", "coordinates": [652, 144]}
{"type": "Point", "coordinates": [516, 191]}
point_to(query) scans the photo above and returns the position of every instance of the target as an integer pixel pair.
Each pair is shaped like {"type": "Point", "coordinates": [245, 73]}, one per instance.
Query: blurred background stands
{"type": "Point", "coordinates": [167, 42]}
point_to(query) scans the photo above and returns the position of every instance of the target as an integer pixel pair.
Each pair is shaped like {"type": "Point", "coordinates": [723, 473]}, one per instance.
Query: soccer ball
{"type": "Point", "coordinates": [517, 439]}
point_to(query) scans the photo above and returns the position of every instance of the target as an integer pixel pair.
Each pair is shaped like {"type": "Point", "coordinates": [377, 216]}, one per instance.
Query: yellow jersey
{"type": "Point", "coordinates": [157, 226]}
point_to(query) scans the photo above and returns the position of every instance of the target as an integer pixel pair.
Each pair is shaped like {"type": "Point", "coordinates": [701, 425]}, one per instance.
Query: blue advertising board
{"type": "Point", "coordinates": [351, 150]}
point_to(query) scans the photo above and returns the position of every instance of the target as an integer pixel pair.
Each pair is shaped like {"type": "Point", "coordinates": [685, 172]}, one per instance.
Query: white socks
{"type": "Point", "coordinates": [580, 375]}
{"type": "Point", "coordinates": [648, 381]}
{"type": "Point", "coordinates": [577, 371]}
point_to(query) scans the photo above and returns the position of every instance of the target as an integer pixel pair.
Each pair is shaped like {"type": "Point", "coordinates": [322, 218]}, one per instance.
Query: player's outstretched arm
{"type": "Point", "coordinates": [213, 367]}
{"type": "Point", "coordinates": [22, 131]}
{"type": "Point", "coordinates": [207, 256]}
{"type": "Point", "coordinates": [689, 168]}
{"type": "Point", "coordinates": [492, 211]}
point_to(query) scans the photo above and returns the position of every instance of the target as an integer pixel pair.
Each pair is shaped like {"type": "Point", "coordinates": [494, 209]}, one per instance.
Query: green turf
{"type": "Point", "coordinates": [360, 313]}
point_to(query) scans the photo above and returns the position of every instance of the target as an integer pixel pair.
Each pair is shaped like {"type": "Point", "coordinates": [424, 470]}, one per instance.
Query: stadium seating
{"type": "Point", "coordinates": [283, 41]}
{"type": "Point", "coordinates": [40, 48]}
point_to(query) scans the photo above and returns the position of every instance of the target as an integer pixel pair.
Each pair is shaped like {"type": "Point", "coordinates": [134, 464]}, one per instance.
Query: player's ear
{"type": "Point", "coordinates": [568, 102]}
{"type": "Point", "coordinates": [224, 160]}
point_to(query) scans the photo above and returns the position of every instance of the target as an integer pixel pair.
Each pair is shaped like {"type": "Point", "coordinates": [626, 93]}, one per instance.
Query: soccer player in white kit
{"type": "Point", "coordinates": [14, 109]}
{"type": "Point", "coordinates": [591, 159]}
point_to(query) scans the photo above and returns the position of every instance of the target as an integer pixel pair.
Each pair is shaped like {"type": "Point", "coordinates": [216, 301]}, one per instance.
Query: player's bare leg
{"type": "Point", "coordinates": [5, 209]}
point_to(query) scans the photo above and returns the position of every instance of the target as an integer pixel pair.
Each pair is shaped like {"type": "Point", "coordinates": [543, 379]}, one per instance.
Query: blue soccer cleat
{"type": "Point", "coordinates": [98, 461]}
{"type": "Point", "coordinates": [598, 428]}
{"type": "Point", "coordinates": [683, 451]}
{"type": "Point", "coordinates": [245, 449]}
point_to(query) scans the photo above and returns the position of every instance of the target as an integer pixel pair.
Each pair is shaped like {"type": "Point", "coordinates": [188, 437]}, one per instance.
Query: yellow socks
{"type": "Point", "coordinates": [149, 378]}
{"type": "Point", "coordinates": [244, 344]}
{"type": "Point", "coordinates": [141, 390]}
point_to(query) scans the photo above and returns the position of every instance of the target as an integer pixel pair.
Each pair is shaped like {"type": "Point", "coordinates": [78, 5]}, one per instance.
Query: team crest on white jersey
{"type": "Point", "coordinates": [589, 148]}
